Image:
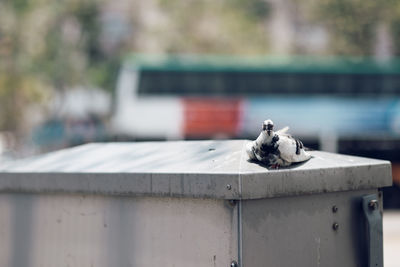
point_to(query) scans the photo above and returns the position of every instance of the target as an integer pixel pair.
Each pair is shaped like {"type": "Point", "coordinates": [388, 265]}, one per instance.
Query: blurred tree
{"type": "Point", "coordinates": [392, 16]}
{"type": "Point", "coordinates": [72, 54]}
{"type": "Point", "coordinates": [18, 86]}
{"type": "Point", "coordinates": [351, 24]}
{"type": "Point", "coordinates": [223, 26]}
{"type": "Point", "coordinates": [47, 45]}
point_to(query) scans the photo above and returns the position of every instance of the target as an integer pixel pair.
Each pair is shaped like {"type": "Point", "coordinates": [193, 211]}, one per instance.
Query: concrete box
{"type": "Point", "coordinates": [186, 203]}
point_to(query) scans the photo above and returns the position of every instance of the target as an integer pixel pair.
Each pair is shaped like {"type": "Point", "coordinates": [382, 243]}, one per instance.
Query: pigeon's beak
{"type": "Point", "coordinates": [269, 128]}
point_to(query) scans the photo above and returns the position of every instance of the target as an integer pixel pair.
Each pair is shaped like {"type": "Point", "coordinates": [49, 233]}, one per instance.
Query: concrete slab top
{"type": "Point", "coordinates": [212, 169]}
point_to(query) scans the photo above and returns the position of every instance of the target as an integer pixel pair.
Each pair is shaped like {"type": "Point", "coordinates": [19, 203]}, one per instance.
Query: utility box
{"type": "Point", "coordinates": [189, 203]}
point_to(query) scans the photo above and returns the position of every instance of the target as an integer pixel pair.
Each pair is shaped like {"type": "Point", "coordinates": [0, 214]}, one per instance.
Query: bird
{"type": "Point", "coordinates": [276, 149]}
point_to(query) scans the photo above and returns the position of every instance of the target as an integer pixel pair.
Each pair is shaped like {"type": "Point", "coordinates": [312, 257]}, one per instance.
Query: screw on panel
{"type": "Point", "coordinates": [373, 204]}
{"type": "Point", "coordinates": [335, 226]}
{"type": "Point", "coordinates": [228, 186]}
{"type": "Point", "coordinates": [334, 209]}
{"type": "Point", "coordinates": [234, 264]}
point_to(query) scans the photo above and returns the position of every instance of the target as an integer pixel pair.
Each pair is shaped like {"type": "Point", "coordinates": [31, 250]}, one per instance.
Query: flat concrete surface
{"type": "Point", "coordinates": [210, 169]}
{"type": "Point", "coordinates": [391, 238]}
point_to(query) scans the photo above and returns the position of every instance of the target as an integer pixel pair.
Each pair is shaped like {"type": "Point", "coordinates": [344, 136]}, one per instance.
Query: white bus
{"type": "Point", "coordinates": [174, 97]}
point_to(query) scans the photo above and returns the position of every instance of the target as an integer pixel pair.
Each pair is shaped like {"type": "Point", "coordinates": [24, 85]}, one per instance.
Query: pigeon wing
{"type": "Point", "coordinates": [291, 150]}
{"type": "Point", "coordinates": [283, 131]}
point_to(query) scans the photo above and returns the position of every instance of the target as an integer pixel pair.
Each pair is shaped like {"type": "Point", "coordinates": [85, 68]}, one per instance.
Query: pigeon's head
{"type": "Point", "coordinates": [268, 126]}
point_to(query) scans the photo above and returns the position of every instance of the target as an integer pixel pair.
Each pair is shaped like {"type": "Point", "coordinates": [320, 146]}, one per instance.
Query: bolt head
{"type": "Point", "coordinates": [373, 204]}
{"type": "Point", "coordinates": [228, 186]}
{"type": "Point", "coordinates": [335, 226]}
{"type": "Point", "coordinates": [334, 209]}
{"type": "Point", "coordinates": [234, 264]}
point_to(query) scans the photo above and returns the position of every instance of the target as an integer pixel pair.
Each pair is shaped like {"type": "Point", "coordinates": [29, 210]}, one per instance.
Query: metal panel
{"type": "Point", "coordinates": [209, 169]}
{"type": "Point", "coordinates": [373, 215]}
{"type": "Point", "coordinates": [86, 230]}
{"type": "Point", "coordinates": [316, 230]}
{"type": "Point", "coordinates": [7, 219]}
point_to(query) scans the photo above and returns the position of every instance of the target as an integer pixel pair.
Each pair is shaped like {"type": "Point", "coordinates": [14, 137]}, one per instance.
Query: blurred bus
{"type": "Point", "coordinates": [174, 97]}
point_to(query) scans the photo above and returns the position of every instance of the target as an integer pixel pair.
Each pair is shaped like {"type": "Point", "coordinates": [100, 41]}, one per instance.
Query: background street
{"type": "Point", "coordinates": [391, 238]}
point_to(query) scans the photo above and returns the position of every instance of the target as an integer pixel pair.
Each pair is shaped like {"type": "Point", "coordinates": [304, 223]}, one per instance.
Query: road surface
{"type": "Point", "coordinates": [391, 238]}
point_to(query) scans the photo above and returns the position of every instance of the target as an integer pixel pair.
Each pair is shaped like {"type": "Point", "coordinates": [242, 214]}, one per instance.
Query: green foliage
{"type": "Point", "coordinates": [222, 26]}
{"type": "Point", "coordinates": [351, 23]}
{"type": "Point", "coordinates": [16, 94]}
{"type": "Point", "coordinates": [46, 44]}
{"type": "Point", "coordinates": [257, 10]}
{"type": "Point", "coordinates": [393, 16]}
{"type": "Point", "coordinates": [19, 5]}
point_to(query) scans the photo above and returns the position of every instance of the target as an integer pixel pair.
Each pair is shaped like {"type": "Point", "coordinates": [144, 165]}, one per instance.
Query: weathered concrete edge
{"type": "Point", "coordinates": [280, 184]}
{"type": "Point", "coordinates": [203, 185]}
{"type": "Point", "coordinates": [218, 186]}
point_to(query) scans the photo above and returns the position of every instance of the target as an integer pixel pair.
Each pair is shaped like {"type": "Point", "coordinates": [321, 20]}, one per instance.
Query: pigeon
{"type": "Point", "coordinates": [276, 149]}
{"type": "Point", "coordinates": [265, 144]}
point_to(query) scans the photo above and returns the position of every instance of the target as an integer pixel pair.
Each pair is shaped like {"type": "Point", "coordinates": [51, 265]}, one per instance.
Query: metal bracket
{"type": "Point", "coordinates": [373, 215]}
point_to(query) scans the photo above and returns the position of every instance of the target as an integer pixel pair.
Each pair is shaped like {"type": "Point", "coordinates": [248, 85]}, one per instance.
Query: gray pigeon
{"type": "Point", "coordinates": [276, 149]}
